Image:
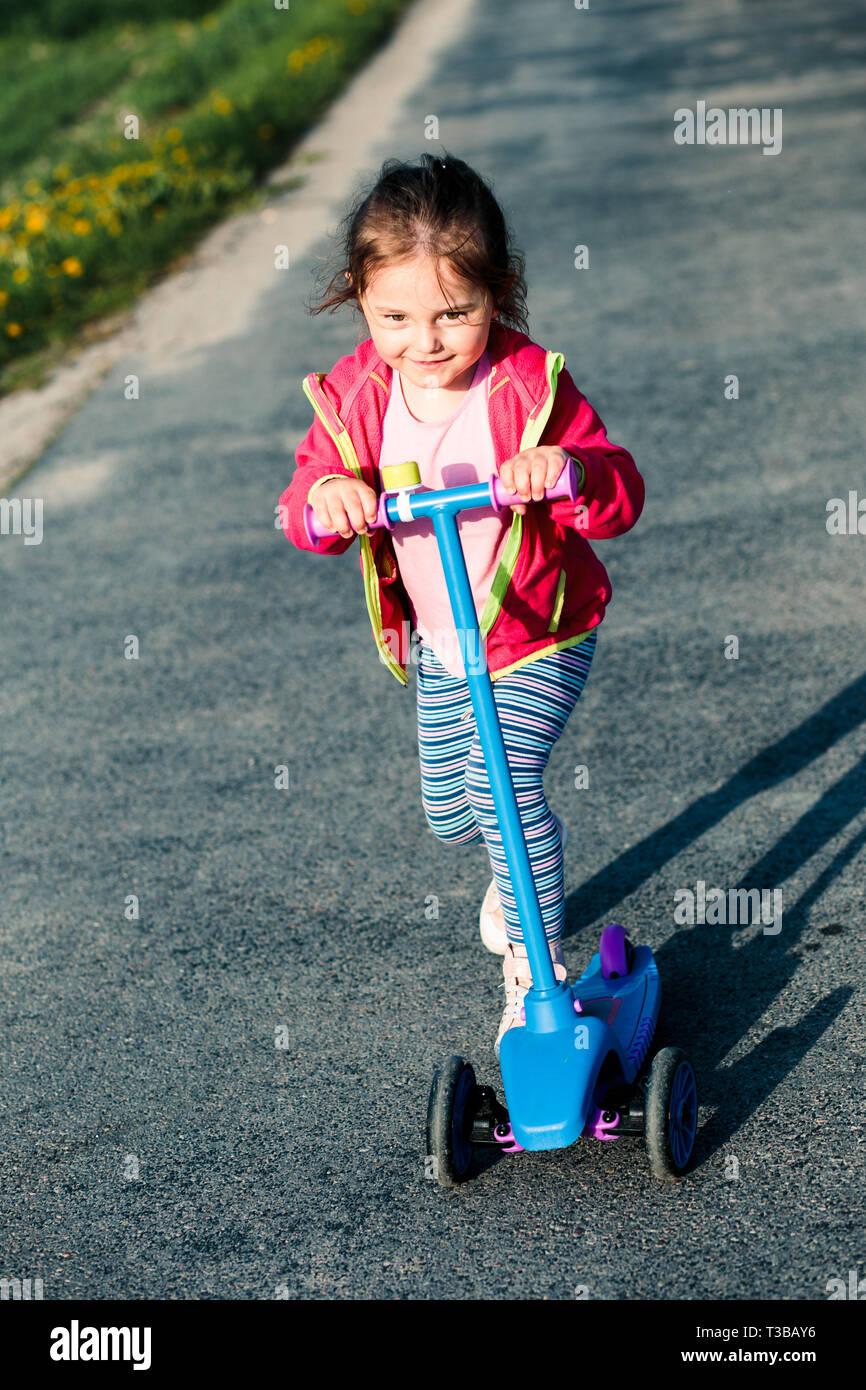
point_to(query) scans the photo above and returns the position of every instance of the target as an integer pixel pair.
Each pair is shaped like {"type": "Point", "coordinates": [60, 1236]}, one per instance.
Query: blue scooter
{"type": "Point", "coordinates": [580, 1064]}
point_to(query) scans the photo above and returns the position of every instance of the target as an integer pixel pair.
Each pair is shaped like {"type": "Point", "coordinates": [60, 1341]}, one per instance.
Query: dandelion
{"type": "Point", "coordinates": [14, 330]}
{"type": "Point", "coordinates": [295, 60]}
{"type": "Point", "coordinates": [35, 220]}
{"type": "Point", "coordinates": [72, 266]}
{"type": "Point", "coordinates": [173, 135]}
{"type": "Point", "coordinates": [20, 274]}
{"type": "Point", "coordinates": [76, 204]}
{"type": "Point", "coordinates": [5, 217]}
{"type": "Point", "coordinates": [222, 105]}
{"type": "Point", "coordinates": [4, 297]}
{"type": "Point", "coordinates": [81, 226]}
{"type": "Point", "coordinates": [180, 155]}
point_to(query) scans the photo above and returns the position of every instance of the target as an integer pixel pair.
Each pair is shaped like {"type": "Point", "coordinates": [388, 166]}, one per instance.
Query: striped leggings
{"type": "Point", "coordinates": [533, 704]}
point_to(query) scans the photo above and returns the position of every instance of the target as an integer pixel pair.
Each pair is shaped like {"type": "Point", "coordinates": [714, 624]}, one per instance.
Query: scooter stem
{"type": "Point", "coordinates": [495, 756]}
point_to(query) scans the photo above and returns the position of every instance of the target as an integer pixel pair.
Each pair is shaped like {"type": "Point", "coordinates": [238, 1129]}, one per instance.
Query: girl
{"type": "Point", "coordinates": [449, 377]}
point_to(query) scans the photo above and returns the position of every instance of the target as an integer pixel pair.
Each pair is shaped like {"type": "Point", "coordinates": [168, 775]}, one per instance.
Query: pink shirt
{"type": "Point", "coordinates": [450, 452]}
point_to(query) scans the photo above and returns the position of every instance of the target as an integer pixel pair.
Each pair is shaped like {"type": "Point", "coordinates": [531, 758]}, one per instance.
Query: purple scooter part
{"type": "Point", "coordinates": [564, 487]}
{"type": "Point", "coordinates": [612, 949]}
{"type": "Point", "coordinates": [503, 1135]}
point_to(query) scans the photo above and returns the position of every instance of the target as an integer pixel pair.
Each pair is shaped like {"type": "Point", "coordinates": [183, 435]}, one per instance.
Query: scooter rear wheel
{"type": "Point", "coordinates": [449, 1121]}
{"type": "Point", "coordinates": [671, 1110]}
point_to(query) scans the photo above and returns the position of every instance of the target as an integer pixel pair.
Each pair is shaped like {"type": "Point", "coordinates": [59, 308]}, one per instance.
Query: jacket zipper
{"type": "Point", "coordinates": [346, 449]}
{"type": "Point", "coordinates": [532, 432]}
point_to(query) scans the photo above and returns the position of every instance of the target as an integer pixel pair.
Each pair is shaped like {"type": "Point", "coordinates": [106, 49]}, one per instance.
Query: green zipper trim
{"type": "Point", "coordinates": [557, 607]}
{"type": "Point", "coordinates": [346, 450]}
{"type": "Point", "coordinates": [532, 432]}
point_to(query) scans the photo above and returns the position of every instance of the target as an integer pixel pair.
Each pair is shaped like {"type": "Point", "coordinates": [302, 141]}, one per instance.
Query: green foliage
{"type": "Point", "coordinates": [89, 216]}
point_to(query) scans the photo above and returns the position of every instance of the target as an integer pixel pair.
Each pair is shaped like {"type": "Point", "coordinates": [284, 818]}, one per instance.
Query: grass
{"type": "Point", "coordinates": [127, 127]}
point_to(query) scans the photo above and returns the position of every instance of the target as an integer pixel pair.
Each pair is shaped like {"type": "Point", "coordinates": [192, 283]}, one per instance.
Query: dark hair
{"type": "Point", "coordinates": [438, 205]}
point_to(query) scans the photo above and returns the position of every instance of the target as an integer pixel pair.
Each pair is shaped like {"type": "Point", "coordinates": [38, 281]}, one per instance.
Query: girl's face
{"type": "Point", "coordinates": [415, 330]}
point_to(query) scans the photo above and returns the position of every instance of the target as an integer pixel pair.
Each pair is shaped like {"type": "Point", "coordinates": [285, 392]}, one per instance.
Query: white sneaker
{"type": "Point", "coordinates": [518, 979]}
{"type": "Point", "coordinates": [492, 919]}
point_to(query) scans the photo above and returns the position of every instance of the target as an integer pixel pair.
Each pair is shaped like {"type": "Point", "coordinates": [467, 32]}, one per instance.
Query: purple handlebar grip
{"type": "Point", "coordinates": [316, 531]}
{"type": "Point", "coordinates": [565, 486]}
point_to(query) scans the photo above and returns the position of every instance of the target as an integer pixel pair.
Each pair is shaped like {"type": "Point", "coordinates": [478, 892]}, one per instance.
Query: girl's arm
{"type": "Point", "coordinates": [317, 459]}
{"type": "Point", "coordinates": [612, 497]}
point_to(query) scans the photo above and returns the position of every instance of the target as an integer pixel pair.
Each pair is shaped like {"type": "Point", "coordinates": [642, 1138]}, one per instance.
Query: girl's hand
{"type": "Point", "coordinates": [345, 505]}
{"type": "Point", "coordinates": [531, 472]}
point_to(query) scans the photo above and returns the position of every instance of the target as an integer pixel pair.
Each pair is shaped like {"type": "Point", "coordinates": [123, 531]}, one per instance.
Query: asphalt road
{"type": "Point", "coordinates": [156, 1141]}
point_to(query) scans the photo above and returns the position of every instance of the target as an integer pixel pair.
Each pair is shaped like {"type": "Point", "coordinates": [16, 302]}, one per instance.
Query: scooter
{"type": "Point", "coordinates": [580, 1064]}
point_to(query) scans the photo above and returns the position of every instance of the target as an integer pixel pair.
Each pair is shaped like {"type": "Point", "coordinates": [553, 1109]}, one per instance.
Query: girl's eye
{"type": "Point", "coordinates": [453, 315]}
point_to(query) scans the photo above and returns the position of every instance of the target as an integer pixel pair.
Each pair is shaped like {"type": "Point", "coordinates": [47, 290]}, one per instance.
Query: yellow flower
{"type": "Point", "coordinates": [295, 59]}
{"type": "Point", "coordinates": [81, 226]}
{"type": "Point", "coordinates": [20, 274]}
{"type": "Point", "coordinates": [62, 171]}
{"type": "Point", "coordinates": [76, 204]}
{"type": "Point", "coordinates": [173, 134]}
{"type": "Point", "coordinates": [4, 297]}
{"type": "Point", "coordinates": [222, 105]}
{"type": "Point", "coordinates": [180, 155]}
{"type": "Point", "coordinates": [14, 330]}
{"type": "Point", "coordinates": [72, 266]}
{"type": "Point", "coordinates": [35, 220]}
{"type": "Point", "coordinates": [5, 217]}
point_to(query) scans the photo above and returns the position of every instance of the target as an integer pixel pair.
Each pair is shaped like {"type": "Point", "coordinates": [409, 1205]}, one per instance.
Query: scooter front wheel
{"type": "Point", "coordinates": [449, 1122]}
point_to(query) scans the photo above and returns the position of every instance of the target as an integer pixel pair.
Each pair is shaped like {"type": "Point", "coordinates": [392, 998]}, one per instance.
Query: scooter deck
{"type": "Point", "coordinates": [550, 1078]}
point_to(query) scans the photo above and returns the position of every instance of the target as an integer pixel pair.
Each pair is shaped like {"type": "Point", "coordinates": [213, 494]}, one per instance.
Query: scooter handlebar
{"type": "Point", "coordinates": [497, 497]}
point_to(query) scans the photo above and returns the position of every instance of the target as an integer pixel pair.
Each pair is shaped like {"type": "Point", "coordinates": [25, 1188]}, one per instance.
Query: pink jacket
{"type": "Point", "coordinates": [550, 589]}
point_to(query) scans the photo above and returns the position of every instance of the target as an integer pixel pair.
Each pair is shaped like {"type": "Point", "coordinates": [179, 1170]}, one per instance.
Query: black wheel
{"type": "Point", "coordinates": [449, 1121]}
{"type": "Point", "coordinates": [671, 1109]}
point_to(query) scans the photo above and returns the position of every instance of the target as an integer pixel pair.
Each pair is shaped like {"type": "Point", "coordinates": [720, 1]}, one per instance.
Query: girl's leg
{"type": "Point", "coordinates": [446, 728]}
{"type": "Point", "coordinates": [533, 704]}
